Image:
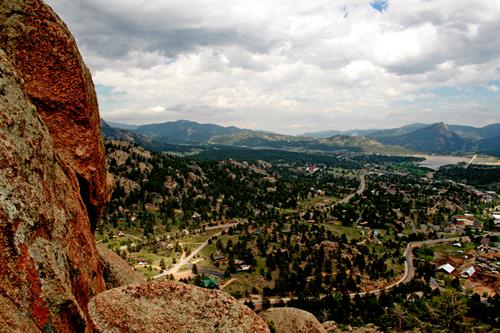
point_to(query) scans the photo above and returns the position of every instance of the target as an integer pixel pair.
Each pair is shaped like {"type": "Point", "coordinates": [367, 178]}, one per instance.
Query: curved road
{"type": "Point", "coordinates": [361, 189]}
{"type": "Point", "coordinates": [407, 276]}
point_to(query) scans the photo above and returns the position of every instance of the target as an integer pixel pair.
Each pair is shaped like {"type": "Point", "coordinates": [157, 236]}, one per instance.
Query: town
{"type": "Point", "coordinates": [277, 231]}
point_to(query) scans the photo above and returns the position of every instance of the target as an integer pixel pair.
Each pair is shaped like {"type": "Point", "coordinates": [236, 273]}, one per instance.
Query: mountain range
{"type": "Point", "coordinates": [425, 138]}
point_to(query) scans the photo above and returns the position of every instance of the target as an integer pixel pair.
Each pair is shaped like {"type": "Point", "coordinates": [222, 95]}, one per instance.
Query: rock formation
{"type": "Point", "coordinates": [292, 320]}
{"type": "Point", "coordinates": [167, 306]}
{"type": "Point", "coordinates": [58, 83]}
{"type": "Point", "coordinates": [53, 193]}
{"type": "Point", "coordinates": [116, 271]}
{"type": "Point", "coordinates": [50, 266]}
{"type": "Point", "coordinates": [52, 174]}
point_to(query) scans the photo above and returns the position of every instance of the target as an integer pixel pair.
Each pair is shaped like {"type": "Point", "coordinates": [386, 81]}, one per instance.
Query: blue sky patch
{"type": "Point", "coordinates": [380, 5]}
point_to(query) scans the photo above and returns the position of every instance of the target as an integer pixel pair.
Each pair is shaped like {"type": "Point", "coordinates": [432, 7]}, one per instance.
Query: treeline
{"type": "Point", "coordinates": [480, 176]}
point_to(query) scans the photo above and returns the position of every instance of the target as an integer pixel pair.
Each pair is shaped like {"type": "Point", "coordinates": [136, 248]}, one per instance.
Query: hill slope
{"type": "Point", "coordinates": [436, 138]}
{"type": "Point", "coordinates": [184, 131]}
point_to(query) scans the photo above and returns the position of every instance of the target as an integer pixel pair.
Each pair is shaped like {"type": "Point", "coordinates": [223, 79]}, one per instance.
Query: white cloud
{"type": "Point", "coordinates": [274, 65]}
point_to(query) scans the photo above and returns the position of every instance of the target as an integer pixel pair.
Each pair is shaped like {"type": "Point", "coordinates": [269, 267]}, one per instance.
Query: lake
{"type": "Point", "coordinates": [436, 161]}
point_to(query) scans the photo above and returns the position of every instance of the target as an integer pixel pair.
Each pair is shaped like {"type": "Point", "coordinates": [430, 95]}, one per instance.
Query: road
{"type": "Point", "coordinates": [116, 236]}
{"type": "Point", "coordinates": [186, 260]}
{"type": "Point", "coordinates": [471, 161]}
{"type": "Point", "coordinates": [223, 226]}
{"type": "Point", "coordinates": [407, 276]}
{"type": "Point", "coordinates": [228, 283]}
{"type": "Point", "coordinates": [361, 189]}
{"type": "Point", "coordinates": [409, 268]}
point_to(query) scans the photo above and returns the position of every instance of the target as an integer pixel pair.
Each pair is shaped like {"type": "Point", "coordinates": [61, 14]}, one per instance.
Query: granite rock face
{"type": "Point", "coordinates": [52, 175]}
{"type": "Point", "coordinates": [50, 265]}
{"type": "Point", "coordinates": [57, 82]}
{"type": "Point", "coordinates": [53, 191]}
{"type": "Point", "coordinates": [292, 320]}
{"type": "Point", "coordinates": [168, 306]}
{"type": "Point", "coordinates": [116, 271]}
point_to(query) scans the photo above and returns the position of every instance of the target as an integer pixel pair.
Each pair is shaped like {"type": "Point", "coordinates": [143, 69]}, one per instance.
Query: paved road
{"type": "Point", "coordinates": [409, 268]}
{"type": "Point", "coordinates": [471, 161]}
{"type": "Point", "coordinates": [361, 189]}
{"type": "Point", "coordinates": [407, 276]}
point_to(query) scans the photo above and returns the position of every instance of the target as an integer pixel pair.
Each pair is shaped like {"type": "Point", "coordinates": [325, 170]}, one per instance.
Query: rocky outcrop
{"type": "Point", "coordinates": [116, 271]}
{"type": "Point", "coordinates": [53, 192]}
{"type": "Point", "coordinates": [56, 81]}
{"type": "Point", "coordinates": [49, 262]}
{"type": "Point", "coordinates": [167, 306]}
{"type": "Point", "coordinates": [292, 320]}
{"type": "Point", "coordinates": [52, 175]}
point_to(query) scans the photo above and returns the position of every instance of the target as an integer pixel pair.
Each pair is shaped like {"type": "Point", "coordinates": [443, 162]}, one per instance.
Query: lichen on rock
{"type": "Point", "coordinates": [116, 271]}
{"type": "Point", "coordinates": [52, 191]}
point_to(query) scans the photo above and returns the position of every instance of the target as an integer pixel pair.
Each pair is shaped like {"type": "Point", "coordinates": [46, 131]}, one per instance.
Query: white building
{"type": "Point", "coordinates": [468, 272]}
{"type": "Point", "coordinates": [447, 268]}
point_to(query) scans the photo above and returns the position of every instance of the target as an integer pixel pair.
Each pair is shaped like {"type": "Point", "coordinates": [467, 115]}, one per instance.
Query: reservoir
{"type": "Point", "coordinates": [436, 161]}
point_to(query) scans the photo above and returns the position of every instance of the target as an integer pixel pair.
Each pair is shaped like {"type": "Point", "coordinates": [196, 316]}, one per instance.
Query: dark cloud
{"type": "Point", "coordinates": [112, 35]}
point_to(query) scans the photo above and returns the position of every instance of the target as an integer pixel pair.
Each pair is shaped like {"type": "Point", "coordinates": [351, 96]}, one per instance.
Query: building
{"type": "Point", "coordinates": [468, 272]}
{"type": "Point", "coordinates": [210, 283]}
{"type": "Point", "coordinates": [447, 268]}
{"type": "Point", "coordinates": [465, 220]}
{"type": "Point", "coordinates": [245, 268]}
{"type": "Point", "coordinates": [220, 258]}
{"type": "Point", "coordinates": [496, 219]}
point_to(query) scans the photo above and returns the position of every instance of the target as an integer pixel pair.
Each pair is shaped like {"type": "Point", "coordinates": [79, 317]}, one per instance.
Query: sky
{"type": "Point", "coordinates": [291, 66]}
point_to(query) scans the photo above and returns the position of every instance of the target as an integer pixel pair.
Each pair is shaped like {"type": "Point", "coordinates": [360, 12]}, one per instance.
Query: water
{"type": "Point", "coordinates": [436, 161]}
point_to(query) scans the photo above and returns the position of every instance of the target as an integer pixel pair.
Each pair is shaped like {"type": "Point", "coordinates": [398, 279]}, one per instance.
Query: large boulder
{"type": "Point", "coordinates": [116, 271]}
{"type": "Point", "coordinates": [52, 174]}
{"type": "Point", "coordinates": [169, 306]}
{"type": "Point", "coordinates": [292, 320]}
{"type": "Point", "coordinates": [56, 80]}
{"type": "Point", "coordinates": [50, 265]}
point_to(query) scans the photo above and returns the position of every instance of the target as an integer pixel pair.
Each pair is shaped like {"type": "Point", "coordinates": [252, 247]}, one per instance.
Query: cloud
{"type": "Point", "coordinates": [274, 65]}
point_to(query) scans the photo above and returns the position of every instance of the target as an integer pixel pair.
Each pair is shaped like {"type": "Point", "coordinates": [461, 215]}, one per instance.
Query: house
{"type": "Point", "coordinates": [210, 283]}
{"type": "Point", "coordinates": [220, 258]}
{"type": "Point", "coordinates": [245, 268]}
{"type": "Point", "coordinates": [496, 217]}
{"type": "Point", "coordinates": [468, 272]}
{"type": "Point", "coordinates": [447, 268]}
{"type": "Point", "coordinates": [465, 220]}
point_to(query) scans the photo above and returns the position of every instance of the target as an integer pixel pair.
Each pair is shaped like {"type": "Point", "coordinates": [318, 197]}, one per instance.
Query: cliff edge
{"type": "Point", "coordinates": [53, 193]}
{"type": "Point", "coordinates": [52, 174]}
